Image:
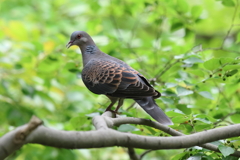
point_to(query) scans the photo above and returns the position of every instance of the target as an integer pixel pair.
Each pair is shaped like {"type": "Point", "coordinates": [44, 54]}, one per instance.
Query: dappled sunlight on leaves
{"type": "Point", "coordinates": [188, 49]}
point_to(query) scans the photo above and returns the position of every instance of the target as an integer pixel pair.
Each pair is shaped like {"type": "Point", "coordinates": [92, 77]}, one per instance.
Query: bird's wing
{"type": "Point", "coordinates": [101, 77]}
{"type": "Point", "coordinates": [116, 79]}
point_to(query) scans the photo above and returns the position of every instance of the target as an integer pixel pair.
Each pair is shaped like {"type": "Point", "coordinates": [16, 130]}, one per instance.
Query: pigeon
{"type": "Point", "coordinates": [104, 74]}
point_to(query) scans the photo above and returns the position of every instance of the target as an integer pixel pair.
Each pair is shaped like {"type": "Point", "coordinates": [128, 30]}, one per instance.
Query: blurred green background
{"type": "Point", "coordinates": [188, 49]}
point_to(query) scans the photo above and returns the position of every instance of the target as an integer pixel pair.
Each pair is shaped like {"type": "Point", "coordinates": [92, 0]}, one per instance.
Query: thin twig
{"type": "Point", "coordinates": [232, 25]}
{"type": "Point", "coordinates": [166, 68]}
{"type": "Point", "coordinates": [131, 106]}
{"type": "Point", "coordinates": [224, 96]}
{"type": "Point", "coordinates": [145, 153]}
{"type": "Point", "coordinates": [223, 118]}
{"type": "Point", "coordinates": [162, 69]}
{"type": "Point", "coordinates": [126, 44]}
{"type": "Point", "coordinates": [132, 154]}
{"type": "Point", "coordinates": [218, 48]}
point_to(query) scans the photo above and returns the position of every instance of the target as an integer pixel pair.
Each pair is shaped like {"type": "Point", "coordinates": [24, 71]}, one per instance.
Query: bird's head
{"type": "Point", "coordinates": [78, 38]}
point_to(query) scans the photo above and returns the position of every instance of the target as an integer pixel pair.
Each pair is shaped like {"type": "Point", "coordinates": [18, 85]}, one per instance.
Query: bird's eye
{"type": "Point", "coordinates": [78, 36]}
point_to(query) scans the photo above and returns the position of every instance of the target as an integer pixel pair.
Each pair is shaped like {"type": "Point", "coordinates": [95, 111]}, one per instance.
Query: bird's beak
{"type": "Point", "coordinates": [70, 43]}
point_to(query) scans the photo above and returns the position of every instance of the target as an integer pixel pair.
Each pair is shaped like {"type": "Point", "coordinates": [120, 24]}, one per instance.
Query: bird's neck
{"type": "Point", "coordinates": [90, 49]}
{"type": "Point", "coordinates": [88, 52]}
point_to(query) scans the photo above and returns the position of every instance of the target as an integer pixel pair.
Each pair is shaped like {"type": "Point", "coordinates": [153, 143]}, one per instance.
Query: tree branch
{"type": "Point", "coordinates": [232, 25]}
{"type": "Point", "coordinates": [14, 140]}
{"type": "Point", "coordinates": [145, 153]}
{"type": "Point", "coordinates": [132, 154]}
{"type": "Point", "coordinates": [170, 131]}
{"type": "Point", "coordinates": [106, 137]}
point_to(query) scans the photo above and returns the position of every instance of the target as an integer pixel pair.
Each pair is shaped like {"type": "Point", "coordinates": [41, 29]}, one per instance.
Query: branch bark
{"type": "Point", "coordinates": [104, 136]}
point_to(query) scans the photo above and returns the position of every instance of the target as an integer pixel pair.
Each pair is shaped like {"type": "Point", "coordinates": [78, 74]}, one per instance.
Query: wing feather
{"type": "Point", "coordinates": [116, 79]}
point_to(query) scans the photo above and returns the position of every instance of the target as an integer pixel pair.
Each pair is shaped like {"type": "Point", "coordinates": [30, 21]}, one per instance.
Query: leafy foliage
{"type": "Point", "coordinates": [189, 51]}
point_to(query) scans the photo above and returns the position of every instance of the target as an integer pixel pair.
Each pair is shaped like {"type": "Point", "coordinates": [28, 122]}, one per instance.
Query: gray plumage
{"type": "Point", "coordinates": [104, 74]}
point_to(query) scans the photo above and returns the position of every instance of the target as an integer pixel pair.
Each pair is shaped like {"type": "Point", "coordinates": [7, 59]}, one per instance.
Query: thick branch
{"type": "Point", "coordinates": [110, 137]}
{"type": "Point", "coordinates": [131, 120]}
{"type": "Point", "coordinates": [14, 140]}
{"type": "Point", "coordinates": [105, 137]}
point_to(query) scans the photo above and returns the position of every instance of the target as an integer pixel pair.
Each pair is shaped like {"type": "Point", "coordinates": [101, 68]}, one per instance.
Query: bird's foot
{"type": "Point", "coordinates": [113, 111]}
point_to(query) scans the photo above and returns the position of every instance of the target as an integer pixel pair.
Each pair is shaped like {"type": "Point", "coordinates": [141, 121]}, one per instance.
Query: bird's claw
{"type": "Point", "coordinates": [114, 112]}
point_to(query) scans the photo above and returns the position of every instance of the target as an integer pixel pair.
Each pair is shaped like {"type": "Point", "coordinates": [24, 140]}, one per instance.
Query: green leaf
{"type": "Point", "coordinates": [197, 48]}
{"type": "Point", "coordinates": [180, 156]}
{"type": "Point", "coordinates": [78, 122]}
{"type": "Point", "coordinates": [212, 64]}
{"type": "Point", "coordinates": [197, 72]}
{"type": "Point", "coordinates": [235, 118]}
{"type": "Point", "coordinates": [73, 70]}
{"type": "Point", "coordinates": [228, 3]}
{"type": "Point", "coordinates": [196, 11]}
{"type": "Point", "coordinates": [231, 73]}
{"type": "Point", "coordinates": [151, 130]}
{"type": "Point", "coordinates": [169, 93]}
{"type": "Point", "coordinates": [192, 60]}
{"type": "Point", "coordinates": [182, 6]}
{"type": "Point", "coordinates": [72, 67]}
{"type": "Point", "coordinates": [195, 157]}
{"type": "Point", "coordinates": [28, 90]}
{"type": "Point", "coordinates": [206, 94]}
{"type": "Point", "coordinates": [236, 60]}
{"type": "Point", "coordinates": [49, 105]}
{"type": "Point", "coordinates": [238, 38]}
{"type": "Point", "coordinates": [236, 142]}
{"type": "Point", "coordinates": [174, 114]}
{"type": "Point", "coordinates": [127, 128]}
{"type": "Point", "coordinates": [200, 127]}
{"type": "Point", "coordinates": [170, 85]}
{"type": "Point", "coordinates": [183, 92]}
{"type": "Point", "coordinates": [179, 119]}
{"type": "Point", "coordinates": [93, 114]}
{"type": "Point", "coordinates": [215, 79]}
{"type": "Point", "coordinates": [18, 66]}
{"type": "Point", "coordinates": [167, 100]}
{"type": "Point", "coordinates": [48, 66]}
{"type": "Point", "coordinates": [72, 54]}
{"type": "Point", "coordinates": [226, 60]}
{"type": "Point", "coordinates": [184, 109]}
{"type": "Point", "coordinates": [176, 26]}
{"type": "Point", "coordinates": [180, 56]}
{"type": "Point", "coordinates": [231, 67]}
{"type": "Point", "coordinates": [225, 150]}
{"type": "Point", "coordinates": [205, 118]}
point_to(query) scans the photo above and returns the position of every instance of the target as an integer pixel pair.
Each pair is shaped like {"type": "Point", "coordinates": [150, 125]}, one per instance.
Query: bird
{"type": "Point", "coordinates": [107, 75]}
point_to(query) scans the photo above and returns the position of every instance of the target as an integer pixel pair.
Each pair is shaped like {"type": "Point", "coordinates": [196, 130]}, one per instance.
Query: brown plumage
{"type": "Point", "coordinates": [104, 74]}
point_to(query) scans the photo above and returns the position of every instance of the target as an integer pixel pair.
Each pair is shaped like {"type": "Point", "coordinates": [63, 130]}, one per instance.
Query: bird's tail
{"type": "Point", "coordinates": [149, 105]}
